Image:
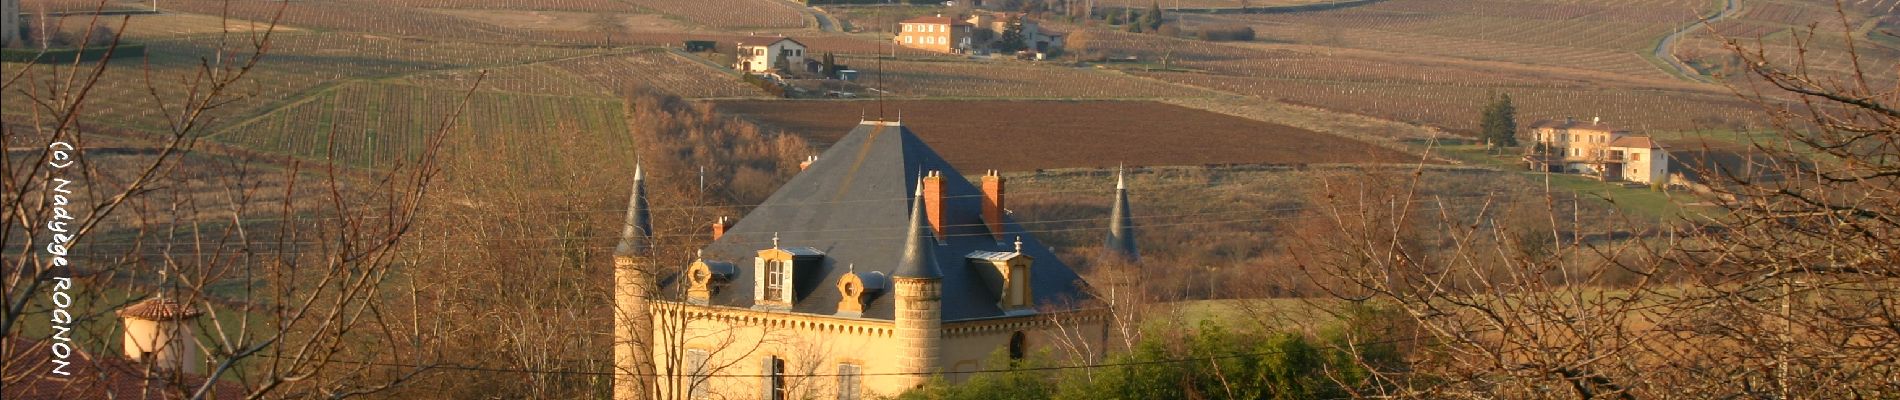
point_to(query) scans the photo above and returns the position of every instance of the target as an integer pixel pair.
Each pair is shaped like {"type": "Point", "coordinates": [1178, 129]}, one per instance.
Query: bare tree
{"type": "Point", "coordinates": [1787, 291]}
{"type": "Point", "coordinates": [297, 272]}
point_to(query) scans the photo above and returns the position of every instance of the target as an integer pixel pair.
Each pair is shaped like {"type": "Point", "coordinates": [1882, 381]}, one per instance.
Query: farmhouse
{"type": "Point", "coordinates": [1600, 150]}
{"type": "Point", "coordinates": [937, 33]}
{"type": "Point", "coordinates": [875, 268]}
{"type": "Point", "coordinates": [159, 353]}
{"type": "Point", "coordinates": [783, 53]}
{"type": "Point", "coordinates": [1034, 37]}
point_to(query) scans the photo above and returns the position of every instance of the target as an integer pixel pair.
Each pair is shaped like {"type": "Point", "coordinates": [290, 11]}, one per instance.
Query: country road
{"type": "Point", "coordinates": [1666, 49]}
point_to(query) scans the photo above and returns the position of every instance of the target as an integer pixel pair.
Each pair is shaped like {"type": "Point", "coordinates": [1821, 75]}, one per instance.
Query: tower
{"type": "Point", "coordinates": [1121, 225]}
{"type": "Point", "coordinates": [158, 333]}
{"type": "Point", "coordinates": [633, 286]}
{"type": "Point", "coordinates": [1123, 279]}
{"type": "Point", "coordinates": [919, 289]}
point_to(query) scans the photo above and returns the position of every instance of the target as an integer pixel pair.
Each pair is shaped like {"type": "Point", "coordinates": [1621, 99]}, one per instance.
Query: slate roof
{"type": "Point", "coordinates": [854, 204]}
{"type": "Point", "coordinates": [637, 231]}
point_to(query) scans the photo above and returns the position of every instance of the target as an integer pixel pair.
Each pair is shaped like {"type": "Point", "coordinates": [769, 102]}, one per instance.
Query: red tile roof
{"type": "Point", "coordinates": [1575, 124]}
{"type": "Point", "coordinates": [160, 309]}
{"type": "Point", "coordinates": [938, 20]}
{"type": "Point", "coordinates": [1640, 142]}
{"type": "Point", "coordinates": [29, 377]}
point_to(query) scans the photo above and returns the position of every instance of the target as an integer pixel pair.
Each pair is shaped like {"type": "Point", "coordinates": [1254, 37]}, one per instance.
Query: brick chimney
{"type": "Point", "coordinates": [933, 202]}
{"type": "Point", "coordinates": [719, 227]}
{"type": "Point", "coordinates": [993, 204]}
{"type": "Point", "coordinates": [802, 165]}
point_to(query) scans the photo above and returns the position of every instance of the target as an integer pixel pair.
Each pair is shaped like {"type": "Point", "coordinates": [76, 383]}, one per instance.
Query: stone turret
{"type": "Point", "coordinates": [1121, 287]}
{"type": "Point", "coordinates": [158, 334]}
{"type": "Point", "coordinates": [919, 289]}
{"type": "Point", "coordinates": [633, 285]}
{"type": "Point", "coordinates": [1121, 224]}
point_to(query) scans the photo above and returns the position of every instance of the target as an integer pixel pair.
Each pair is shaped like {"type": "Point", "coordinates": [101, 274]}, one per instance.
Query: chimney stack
{"type": "Point", "coordinates": [719, 227]}
{"type": "Point", "coordinates": [993, 205]}
{"type": "Point", "coordinates": [807, 163]}
{"type": "Point", "coordinates": [933, 202]}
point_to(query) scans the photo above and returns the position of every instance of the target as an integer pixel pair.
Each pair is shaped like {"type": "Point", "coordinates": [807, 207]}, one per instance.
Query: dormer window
{"type": "Point", "coordinates": [856, 289]}
{"type": "Point", "coordinates": [1008, 276]}
{"type": "Point", "coordinates": [783, 275]}
{"type": "Point", "coordinates": [705, 278]}
{"type": "Point", "coordinates": [777, 277]}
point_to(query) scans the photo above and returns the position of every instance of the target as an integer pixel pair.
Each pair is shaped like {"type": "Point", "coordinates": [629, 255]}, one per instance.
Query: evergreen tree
{"type": "Point", "coordinates": [1499, 122]}
{"type": "Point", "coordinates": [831, 66]}
{"type": "Point", "coordinates": [1012, 39]}
{"type": "Point", "coordinates": [1152, 20]}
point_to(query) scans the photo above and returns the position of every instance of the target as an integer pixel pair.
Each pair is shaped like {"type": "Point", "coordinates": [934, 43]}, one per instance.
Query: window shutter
{"type": "Point", "coordinates": [765, 378]}
{"type": "Point", "coordinates": [787, 270]}
{"type": "Point", "coordinates": [758, 279]}
{"type": "Point", "coordinates": [848, 378]}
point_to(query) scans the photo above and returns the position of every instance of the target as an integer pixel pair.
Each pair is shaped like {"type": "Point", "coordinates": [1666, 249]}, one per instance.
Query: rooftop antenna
{"type": "Point", "coordinates": [774, 240]}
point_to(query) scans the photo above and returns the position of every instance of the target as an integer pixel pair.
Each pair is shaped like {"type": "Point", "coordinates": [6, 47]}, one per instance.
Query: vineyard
{"type": "Point", "coordinates": [297, 63]}
{"type": "Point", "coordinates": [1775, 26]}
{"type": "Point", "coordinates": [1203, 3]}
{"type": "Point", "coordinates": [1456, 107]}
{"type": "Point", "coordinates": [731, 13]}
{"type": "Point", "coordinates": [351, 17]}
{"type": "Point", "coordinates": [567, 20]}
{"type": "Point", "coordinates": [376, 125]}
{"type": "Point", "coordinates": [145, 27]}
{"type": "Point", "coordinates": [1007, 79]}
{"type": "Point", "coordinates": [1595, 35]}
{"type": "Point", "coordinates": [65, 6]}
{"type": "Point", "coordinates": [626, 74]}
{"type": "Point", "coordinates": [616, 6]}
{"type": "Point", "coordinates": [1029, 135]}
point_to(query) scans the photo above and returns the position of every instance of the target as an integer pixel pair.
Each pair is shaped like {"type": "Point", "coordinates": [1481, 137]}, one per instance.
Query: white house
{"type": "Point", "coordinates": [760, 58]}
{"type": "Point", "coordinates": [1643, 160]}
{"type": "Point", "coordinates": [1600, 150]}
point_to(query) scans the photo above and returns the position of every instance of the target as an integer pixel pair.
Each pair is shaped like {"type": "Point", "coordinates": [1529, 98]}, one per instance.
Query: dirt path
{"type": "Point", "coordinates": [1666, 48]}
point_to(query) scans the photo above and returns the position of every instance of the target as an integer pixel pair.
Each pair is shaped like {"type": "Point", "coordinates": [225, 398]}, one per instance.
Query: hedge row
{"type": "Point", "coordinates": [69, 54]}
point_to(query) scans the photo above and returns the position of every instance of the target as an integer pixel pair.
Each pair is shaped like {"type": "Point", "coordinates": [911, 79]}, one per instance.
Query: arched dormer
{"type": "Point", "coordinates": [706, 278]}
{"type": "Point", "coordinates": [783, 275]}
{"type": "Point", "coordinates": [855, 289]}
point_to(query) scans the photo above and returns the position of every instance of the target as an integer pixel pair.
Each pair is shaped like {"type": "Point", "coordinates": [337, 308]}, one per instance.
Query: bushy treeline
{"type": "Point", "coordinates": [1210, 361]}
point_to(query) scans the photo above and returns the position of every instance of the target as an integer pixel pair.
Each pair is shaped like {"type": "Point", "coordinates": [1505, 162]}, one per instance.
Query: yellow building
{"type": "Point", "coordinates": [1599, 150]}
{"type": "Point", "coordinates": [874, 269]}
{"type": "Point", "coordinates": [936, 33]}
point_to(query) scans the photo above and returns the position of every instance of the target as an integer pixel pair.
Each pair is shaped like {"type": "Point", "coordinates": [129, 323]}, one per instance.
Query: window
{"type": "Point", "coordinates": [1018, 286]}
{"type": "Point", "coordinates": [907, 27]}
{"type": "Point", "coordinates": [907, 40]}
{"type": "Point", "coordinates": [1636, 156]}
{"type": "Point", "coordinates": [775, 280]}
{"type": "Point", "coordinates": [1017, 346]}
{"type": "Point", "coordinates": [777, 379]}
{"type": "Point", "coordinates": [848, 377]}
{"type": "Point", "coordinates": [758, 51]}
{"type": "Point", "coordinates": [696, 368]}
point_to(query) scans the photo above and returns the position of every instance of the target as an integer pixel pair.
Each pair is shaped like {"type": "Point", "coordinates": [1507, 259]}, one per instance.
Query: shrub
{"type": "Point", "coordinates": [1193, 364]}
